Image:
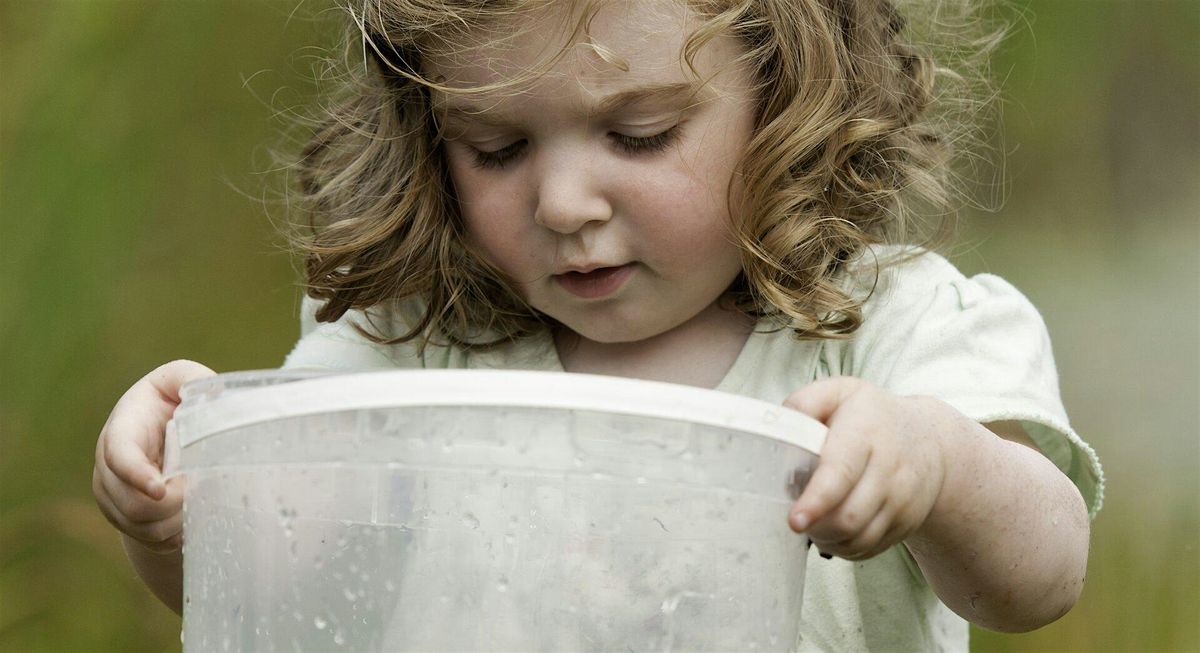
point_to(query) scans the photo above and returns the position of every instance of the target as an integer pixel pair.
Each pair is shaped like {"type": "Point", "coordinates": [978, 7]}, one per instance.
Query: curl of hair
{"type": "Point", "coordinates": [857, 124]}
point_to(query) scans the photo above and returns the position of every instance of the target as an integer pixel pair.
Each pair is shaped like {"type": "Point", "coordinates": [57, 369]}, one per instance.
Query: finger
{"type": "Point", "coordinates": [137, 507]}
{"type": "Point", "coordinates": [838, 471]}
{"type": "Point", "coordinates": [133, 437]}
{"type": "Point", "coordinates": [870, 541]}
{"type": "Point", "coordinates": [131, 457]}
{"type": "Point", "coordinates": [156, 536]}
{"type": "Point", "coordinates": [164, 536]}
{"type": "Point", "coordinates": [846, 521]}
{"type": "Point", "coordinates": [167, 379]}
{"type": "Point", "coordinates": [821, 399]}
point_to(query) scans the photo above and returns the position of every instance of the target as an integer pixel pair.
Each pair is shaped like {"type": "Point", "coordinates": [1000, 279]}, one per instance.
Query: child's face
{"type": "Point", "coordinates": [610, 217]}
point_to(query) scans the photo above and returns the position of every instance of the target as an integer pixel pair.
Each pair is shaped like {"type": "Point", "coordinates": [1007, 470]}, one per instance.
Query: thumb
{"type": "Point", "coordinates": [821, 399]}
{"type": "Point", "coordinates": [131, 443]}
{"type": "Point", "coordinates": [169, 378]}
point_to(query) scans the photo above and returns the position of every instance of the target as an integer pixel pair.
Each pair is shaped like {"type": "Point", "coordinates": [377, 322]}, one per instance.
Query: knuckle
{"type": "Point", "coordinates": [108, 457]}
{"type": "Point", "coordinates": [164, 531]}
{"type": "Point", "coordinates": [848, 522]}
{"type": "Point", "coordinates": [157, 532]}
{"type": "Point", "coordinates": [138, 511]}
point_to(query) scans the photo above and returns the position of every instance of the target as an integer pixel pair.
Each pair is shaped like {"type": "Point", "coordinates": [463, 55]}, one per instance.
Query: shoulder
{"type": "Point", "coordinates": [926, 325]}
{"type": "Point", "coordinates": [922, 291]}
{"type": "Point", "coordinates": [342, 344]}
{"type": "Point", "coordinates": [907, 280]}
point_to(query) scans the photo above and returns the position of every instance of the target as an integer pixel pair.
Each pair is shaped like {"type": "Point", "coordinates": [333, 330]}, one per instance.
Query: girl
{"type": "Point", "coordinates": [710, 193]}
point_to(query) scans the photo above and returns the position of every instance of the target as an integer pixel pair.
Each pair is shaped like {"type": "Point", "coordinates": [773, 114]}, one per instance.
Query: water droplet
{"type": "Point", "coordinates": [502, 584]}
{"type": "Point", "coordinates": [509, 539]}
{"type": "Point", "coordinates": [389, 586]}
{"type": "Point", "coordinates": [320, 623]}
{"type": "Point", "coordinates": [339, 638]}
{"type": "Point", "coordinates": [471, 521]}
{"type": "Point", "coordinates": [578, 461]}
{"type": "Point", "coordinates": [349, 594]}
{"type": "Point", "coordinates": [641, 480]}
{"type": "Point", "coordinates": [444, 599]}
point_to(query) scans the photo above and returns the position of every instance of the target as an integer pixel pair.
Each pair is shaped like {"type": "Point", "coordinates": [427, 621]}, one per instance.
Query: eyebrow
{"type": "Point", "coordinates": [671, 91]}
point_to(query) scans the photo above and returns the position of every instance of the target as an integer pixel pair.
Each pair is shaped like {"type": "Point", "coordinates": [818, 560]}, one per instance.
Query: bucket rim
{"type": "Point", "coordinates": [249, 397]}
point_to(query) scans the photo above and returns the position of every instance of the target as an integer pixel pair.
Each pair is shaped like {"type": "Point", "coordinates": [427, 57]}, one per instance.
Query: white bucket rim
{"type": "Point", "coordinates": [303, 393]}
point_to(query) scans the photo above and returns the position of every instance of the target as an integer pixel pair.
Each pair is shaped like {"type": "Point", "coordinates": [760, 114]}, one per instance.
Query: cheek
{"type": "Point", "coordinates": [687, 199]}
{"type": "Point", "coordinates": [486, 211]}
{"type": "Point", "coordinates": [504, 243]}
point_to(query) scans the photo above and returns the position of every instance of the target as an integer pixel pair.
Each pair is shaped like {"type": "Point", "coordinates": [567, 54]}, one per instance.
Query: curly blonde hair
{"type": "Point", "coordinates": [855, 130]}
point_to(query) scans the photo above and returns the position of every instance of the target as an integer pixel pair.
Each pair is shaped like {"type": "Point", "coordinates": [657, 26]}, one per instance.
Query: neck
{"type": "Point", "coordinates": [698, 352]}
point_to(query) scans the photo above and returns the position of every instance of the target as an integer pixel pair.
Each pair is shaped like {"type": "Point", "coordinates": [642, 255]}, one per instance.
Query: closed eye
{"type": "Point", "coordinates": [632, 145]}
{"type": "Point", "coordinates": [498, 158]}
{"type": "Point", "coordinates": [644, 144]}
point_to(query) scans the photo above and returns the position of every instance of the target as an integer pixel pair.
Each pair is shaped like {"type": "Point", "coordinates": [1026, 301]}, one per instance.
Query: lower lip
{"type": "Point", "coordinates": [597, 283]}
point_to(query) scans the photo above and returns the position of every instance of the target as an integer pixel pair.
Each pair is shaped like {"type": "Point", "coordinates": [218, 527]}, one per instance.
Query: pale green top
{"type": "Point", "coordinates": [975, 343]}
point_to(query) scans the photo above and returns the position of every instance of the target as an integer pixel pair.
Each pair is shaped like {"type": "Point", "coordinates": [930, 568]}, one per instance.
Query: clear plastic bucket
{"type": "Point", "coordinates": [465, 510]}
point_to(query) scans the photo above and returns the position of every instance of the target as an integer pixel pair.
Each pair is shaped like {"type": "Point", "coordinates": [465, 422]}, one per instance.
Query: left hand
{"type": "Point", "coordinates": [881, 466]}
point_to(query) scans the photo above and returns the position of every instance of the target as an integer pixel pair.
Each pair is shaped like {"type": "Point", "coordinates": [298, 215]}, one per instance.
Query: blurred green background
{"type": "Point", "coordinates": [134, 162]}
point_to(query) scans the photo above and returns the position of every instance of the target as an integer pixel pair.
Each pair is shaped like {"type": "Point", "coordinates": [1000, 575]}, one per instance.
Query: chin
{"type": "Point", "coordinates": [613, 331]}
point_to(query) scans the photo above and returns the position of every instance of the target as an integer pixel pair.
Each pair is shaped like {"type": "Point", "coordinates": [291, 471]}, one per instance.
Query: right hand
{"type": "Point", "coordinates": [127, 479]}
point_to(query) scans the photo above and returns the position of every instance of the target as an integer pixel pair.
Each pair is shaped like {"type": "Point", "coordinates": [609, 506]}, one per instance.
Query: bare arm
{"type": "Point", "coordinates": [1006, 543]}
{"type": "Point", "coordinates": [998, 531]}
{"type": "Point", "coordinates": [161, 572]}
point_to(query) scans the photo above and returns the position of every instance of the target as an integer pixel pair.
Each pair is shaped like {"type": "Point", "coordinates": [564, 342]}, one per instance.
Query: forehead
{"type": "Point", "coordinates": [565, 48]}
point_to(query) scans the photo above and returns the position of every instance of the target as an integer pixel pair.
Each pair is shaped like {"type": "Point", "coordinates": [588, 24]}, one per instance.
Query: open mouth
{"type": "Point", "coordinates": [597, 283]}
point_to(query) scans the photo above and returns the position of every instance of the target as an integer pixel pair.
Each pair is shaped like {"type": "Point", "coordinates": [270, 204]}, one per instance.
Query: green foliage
{"type": "Point", "coordinates": [132, 147]}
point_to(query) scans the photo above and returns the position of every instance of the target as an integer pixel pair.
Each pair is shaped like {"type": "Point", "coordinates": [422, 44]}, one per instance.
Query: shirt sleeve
{"type": "Point", "coordinates": [339, 345]}
{"type": "Point", "coordinates": [979, 345]}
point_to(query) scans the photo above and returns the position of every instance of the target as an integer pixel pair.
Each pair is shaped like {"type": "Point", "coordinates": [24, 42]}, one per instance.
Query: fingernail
{"type": "Point", "coordinates": [827, 556]}
{"type": "Point", "coordinates": [799, 521]}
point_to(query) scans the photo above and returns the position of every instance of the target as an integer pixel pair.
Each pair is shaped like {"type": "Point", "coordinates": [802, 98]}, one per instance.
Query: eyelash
{"type": "Point", "coordinates": [627, 144]}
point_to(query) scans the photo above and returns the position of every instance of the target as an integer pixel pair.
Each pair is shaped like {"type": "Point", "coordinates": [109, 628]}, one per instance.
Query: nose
{"type": "Point", "coordinates": [570, 195]}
